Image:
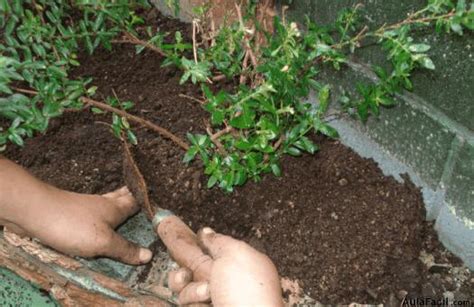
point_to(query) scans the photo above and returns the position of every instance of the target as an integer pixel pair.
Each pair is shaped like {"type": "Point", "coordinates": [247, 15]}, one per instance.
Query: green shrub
{"type": "Point", "coordinates": [263, 117]}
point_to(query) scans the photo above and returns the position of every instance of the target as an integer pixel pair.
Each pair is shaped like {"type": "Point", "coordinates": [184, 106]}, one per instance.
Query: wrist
{"type": "Point", "coordinates": [11, 204]}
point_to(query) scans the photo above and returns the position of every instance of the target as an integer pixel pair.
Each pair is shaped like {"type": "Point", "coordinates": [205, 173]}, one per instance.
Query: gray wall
{"type": "Point", "coordinates": [432, 129]}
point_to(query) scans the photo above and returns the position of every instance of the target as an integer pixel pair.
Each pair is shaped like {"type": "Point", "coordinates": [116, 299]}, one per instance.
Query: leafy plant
{"type": "Point", "coordinates": [264, 116]}
{"type": "Point", "coordinates": [40, 46]}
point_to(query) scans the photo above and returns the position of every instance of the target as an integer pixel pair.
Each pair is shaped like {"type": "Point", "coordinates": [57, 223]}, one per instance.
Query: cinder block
{"type": "Point", "coordinates": [137, 229]}
{"type": "Point", "coordinates": [456, 235]}
{"type": "Point", "coordinates": [448, 88]}
{"type": "Point", "coordinates": [414, 138]}
{"type": "Point", "coordinates": [460, 187]}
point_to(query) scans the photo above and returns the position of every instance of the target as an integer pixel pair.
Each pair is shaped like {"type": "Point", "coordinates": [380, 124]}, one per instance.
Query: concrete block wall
{"type": "Point", "coordinates": [431, 130]}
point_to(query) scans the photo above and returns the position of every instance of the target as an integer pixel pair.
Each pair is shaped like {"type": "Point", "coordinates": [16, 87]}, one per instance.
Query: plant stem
{"type": "Point", "coordinates": [216, 141]}
{"type": "Point", "coordinates": [132, 39]}
{"type": "Point", "coordinates": [162, 131]}
{"type": "Point", "coordinates": [379, 32]}
{"type": "Point", "coordinates": [420, 20]}
{"type": "Point", "coordinates": [222, 132]}
{"type": "Point", "coordinates": [201, 102]}
{"type": "Point", "coordinates": [105, 107]}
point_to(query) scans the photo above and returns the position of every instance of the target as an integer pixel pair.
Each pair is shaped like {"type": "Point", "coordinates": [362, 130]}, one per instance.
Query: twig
{"type": "Point", "coordinates": [103, 106]}
{"type": "Point", "coordinates": [363, 33]}
{"type": "Point", "coordinates": [356, 38]}
{"type": "Point", "coordinates": [213, 29]}
{"type": "Point", "coordinates": [246, 38]}
{"type": "Point", "coordinates": [162, 131]}
{"type": "Point", "coordinates": [192, 98]}
{"type": "Point", "coordinates": [132, 39]}
{"type": "Point", "coordinates": [24, 91]}
{"type": "Point", "coordinates": [275, 147]}
{"type": "Point", "coordinates": [214, 140]}
{"type": "Point", "coordinates": [420, 20]}
{"type": "Point", "coordinates": [222, 132]}
{"type": "Point", "coordinates": [218, 78]}
{"type": "Point", "coordinates": [245, 63]}
{"type": "Point", "coordinates": [136, 182]}
{"type": "Point", "coordinates": [194, 41]}
{"type": "Point", "coordinates": [279, 142]}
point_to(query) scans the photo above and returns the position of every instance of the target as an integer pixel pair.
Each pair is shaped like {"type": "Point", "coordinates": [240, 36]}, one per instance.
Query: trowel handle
{"type": "Point", "coordinates": [182, 244]}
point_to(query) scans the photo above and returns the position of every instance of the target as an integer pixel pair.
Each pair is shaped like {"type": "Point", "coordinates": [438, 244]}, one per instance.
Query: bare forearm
{"type": "Point", "coordinates": [15, 184]}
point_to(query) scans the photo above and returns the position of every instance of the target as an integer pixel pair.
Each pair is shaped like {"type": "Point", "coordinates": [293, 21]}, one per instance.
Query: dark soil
{"type": "Point", "coordinates": [333, 221]}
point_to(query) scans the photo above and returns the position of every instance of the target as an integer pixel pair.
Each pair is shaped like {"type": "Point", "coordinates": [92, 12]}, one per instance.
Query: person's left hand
{"type": "Point", "coordinates": [72, 223]}
{"type": "Point", "coordinates": [83, 225]}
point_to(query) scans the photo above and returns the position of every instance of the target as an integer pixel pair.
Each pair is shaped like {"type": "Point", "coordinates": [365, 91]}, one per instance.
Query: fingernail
{"type": "Point", "coordinates": [124, 189]}
{"type": "Point", "coordinates": [208, 231]}
{"type": "Point", "coordinates": [203, 290]}
{"type": "Point", "coordinates": [180, 276]}
{"type": "Point", "coordinates": [145, 255]}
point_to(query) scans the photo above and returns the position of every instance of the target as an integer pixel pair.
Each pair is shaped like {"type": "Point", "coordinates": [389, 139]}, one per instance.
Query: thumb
{"type": "Point", "coordinates": [125, 251]}
{"type": "Point", "coordinates": [216, 244]}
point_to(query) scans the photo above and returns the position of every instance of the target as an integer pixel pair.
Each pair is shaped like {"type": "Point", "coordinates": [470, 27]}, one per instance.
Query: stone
{"type": "Point", "coordinates": [343, 182]}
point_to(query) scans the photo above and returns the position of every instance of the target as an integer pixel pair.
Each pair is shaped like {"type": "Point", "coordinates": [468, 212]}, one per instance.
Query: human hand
{"type": "Point", "coordinates": [239, 275]}
{"type": "Point", "coordinates": [72, 223]}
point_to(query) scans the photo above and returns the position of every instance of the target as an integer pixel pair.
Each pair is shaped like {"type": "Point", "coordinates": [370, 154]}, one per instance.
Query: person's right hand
{"type": "Point", "coordinates": [240, 275]}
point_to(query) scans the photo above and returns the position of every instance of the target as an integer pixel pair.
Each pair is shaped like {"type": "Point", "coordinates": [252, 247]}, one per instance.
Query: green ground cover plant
{"type": "Point", "coordinates": [273, 70]}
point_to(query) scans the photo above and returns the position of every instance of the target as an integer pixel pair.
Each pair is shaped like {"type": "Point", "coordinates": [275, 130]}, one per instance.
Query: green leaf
{"type": "Point", "coordinates": [457, 28]}
{"type": "Point", "coordinates": [240, 177]}
{"type": "Point", "coordinates": [419, 48]}
{"type": "Point", "coordinates": [293, 151]}
{"type": "Point", "coordinates": [211, 182]}
{"type": "Point", "coordinates": [132, 137]}
{"type": "Point", "coordinates": [328, 130]}
{"type": "Point", "coordinates": [127, 105]}
{"type": "Point", "coordinates": [16, 139]}
{"type": "Point", "coordinates": [244, 120]}
{"type": "Point", "coordinates": [276, 169]}
{"type": "Point", "coordinates": [217, 117]}
{"type": "Point", "coordinates": [97, 110]}
{"type": "Point", "coordinates": [5, 89]}
{"type": "Point", "coordinates": [57, 72]}
{"type": "Point", "coordinates": [243, 145]}
{"type": "Point", "coordinates": [201, 139]}
{"type": "Point", "coordinates": [125, 123]}
{"type": "Point", "coordinates": [324, 99]}
{"type": "Point", "coordinates": [308, 145]}
{"type": "Point", "coordinates": [91, 90]}
{"type": "Point", "coordinates": [190, 154]}
{"type": "Point", "coordinates": [427, 63]}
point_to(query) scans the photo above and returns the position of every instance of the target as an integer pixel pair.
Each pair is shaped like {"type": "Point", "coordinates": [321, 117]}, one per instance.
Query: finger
{"type": "Point", "coordinates": [125, 251]}
{"type": "Point", "coordinates": [179, 279]}
{"type": "Point", "coordinates": [196, 292]}
{"type": "Point", "coordinates": [183, 247]}
{"type": "Point", "coordinates": [120, 207]}
{"type": "Point", "coordinates": [125, 207]}
{"type": "Point", "coordinates": [143, 301]}
{"type": "Point", "coordinates": [160, 291]}
{"type": "Point", "coordinates": [217, 244]}
{"type": "Point", "coordinates": [117, 193]}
